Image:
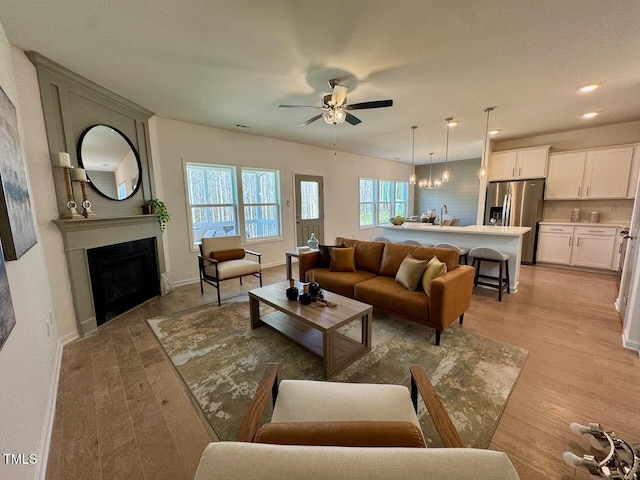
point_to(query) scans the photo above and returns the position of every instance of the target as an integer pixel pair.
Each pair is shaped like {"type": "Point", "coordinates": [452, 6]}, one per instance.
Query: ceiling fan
{"type": "Point", "coordinates": [334, 106]}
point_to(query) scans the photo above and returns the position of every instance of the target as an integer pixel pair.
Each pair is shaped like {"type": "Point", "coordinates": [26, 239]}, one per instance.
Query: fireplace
{"type": "Point", "coordinates": [122, 275]}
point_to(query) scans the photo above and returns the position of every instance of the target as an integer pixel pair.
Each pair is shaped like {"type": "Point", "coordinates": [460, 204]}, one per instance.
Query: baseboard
{"type": "Point", "coordinates": [45, 441]}
{"type": "Point", "coordinates": [630, 344]}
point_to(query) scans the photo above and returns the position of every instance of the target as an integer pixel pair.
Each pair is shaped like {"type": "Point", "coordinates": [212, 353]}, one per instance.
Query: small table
{"type": "Point", "coordinates": [315, 328]}
{"type": "Point", "coordinates": [296, 254]}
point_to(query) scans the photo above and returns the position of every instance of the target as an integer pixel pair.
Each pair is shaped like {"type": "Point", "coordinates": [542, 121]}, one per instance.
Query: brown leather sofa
{"type": "Point", "coordinates": [374, 283]}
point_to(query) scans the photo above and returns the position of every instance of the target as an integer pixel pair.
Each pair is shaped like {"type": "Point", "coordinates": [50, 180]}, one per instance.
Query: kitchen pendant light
{"type": "Point", "coordinates": [445, 173]}
{"type": "Point", "coordinates": [483, 169]}
{"type": "Point", "coordinates": [412, 177]}
{"type": "Point", "coordinates": [429, 184]}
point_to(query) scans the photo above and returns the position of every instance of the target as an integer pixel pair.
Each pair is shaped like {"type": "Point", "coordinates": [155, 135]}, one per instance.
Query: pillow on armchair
{"type": "Point", "coordinates": [230, 254]}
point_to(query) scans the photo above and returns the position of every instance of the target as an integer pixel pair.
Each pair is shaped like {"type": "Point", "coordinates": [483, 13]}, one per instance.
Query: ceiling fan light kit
{"type": "Point", "coordinates": [335, 106]}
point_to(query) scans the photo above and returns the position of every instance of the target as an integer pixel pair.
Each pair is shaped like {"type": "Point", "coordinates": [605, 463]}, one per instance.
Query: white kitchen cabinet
{"type": "Point", "coordinates": [591, 246]}
{"type": "Point", "coordinates": [589, 174]}
{"type": "Point", "coordinates": [554, 244]}
{"type": "Point", "coordinates": [521, 163]}
{"type": "Point", "coordinates": [607, 172]}
{"type": "Point", "coordinates": [594, 247]}
{"type": "Point", "coordinates": [565, 175]}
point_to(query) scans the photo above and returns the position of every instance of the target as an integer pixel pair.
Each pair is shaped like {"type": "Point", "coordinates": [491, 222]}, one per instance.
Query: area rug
{"type": "Point", "coordinates": [221, 360]}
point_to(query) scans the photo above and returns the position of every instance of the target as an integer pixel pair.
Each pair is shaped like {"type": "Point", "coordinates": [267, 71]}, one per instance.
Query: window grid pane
{"type": "Point", "coordinates": [309, 201]}
{"type": "Point", "coordinates": [367, 214]}
{"type": "Point", "coordinates": [384, 212]}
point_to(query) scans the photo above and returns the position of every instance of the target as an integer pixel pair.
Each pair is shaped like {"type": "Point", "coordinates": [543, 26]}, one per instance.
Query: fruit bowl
{"type": "Point", "coordinates": [397, 220]}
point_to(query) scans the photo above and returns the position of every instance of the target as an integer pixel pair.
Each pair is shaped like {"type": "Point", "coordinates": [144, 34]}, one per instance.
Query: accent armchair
{"type": "Point", "coordinates": [346, 414]}
{"type": "Point", "coordinates": [322, 430]}
{"type": "Point", "coordinates": [223, 258]}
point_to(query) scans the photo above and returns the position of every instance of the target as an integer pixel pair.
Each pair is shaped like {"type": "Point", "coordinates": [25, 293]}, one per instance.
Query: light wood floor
{"type": "Point", "coordinates": [122, 412]}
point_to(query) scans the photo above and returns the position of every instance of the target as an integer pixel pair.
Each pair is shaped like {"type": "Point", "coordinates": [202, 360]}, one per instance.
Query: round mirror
{"type": "Point", "coordinates": [111, 162]}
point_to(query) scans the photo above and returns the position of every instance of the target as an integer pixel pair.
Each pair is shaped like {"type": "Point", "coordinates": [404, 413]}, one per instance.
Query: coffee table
{"type": "Point", "coordinates": [315, 328]}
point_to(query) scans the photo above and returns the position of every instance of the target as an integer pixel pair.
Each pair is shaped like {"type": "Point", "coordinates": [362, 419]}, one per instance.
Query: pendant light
{"type": "Point", "coordinates": [445, 173]}
{"type": "Point", "coordinates": [430, 184]}
{"type": "Point", "coordinates": [412, 177]}
{"type": "Point", "coordinates": [483, 169]}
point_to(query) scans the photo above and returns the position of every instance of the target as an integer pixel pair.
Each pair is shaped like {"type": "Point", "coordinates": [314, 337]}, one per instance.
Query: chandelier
{"type": "Point", "coordinates": [429, 184]}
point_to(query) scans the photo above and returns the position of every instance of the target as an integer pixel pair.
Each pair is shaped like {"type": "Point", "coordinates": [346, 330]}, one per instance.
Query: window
{"type": "Point", "coordinates": [261, 194]}
{"type": "Point", "coordinates": [212, 200]}
{"type": "Point", "coordinates": [215, 209]}
{"type": "Point", "coordinates": [382, 199]}
{"type": "Point", "coordinates": [122, 191]}
{"type": "Point", "coordinates": [367, 202]}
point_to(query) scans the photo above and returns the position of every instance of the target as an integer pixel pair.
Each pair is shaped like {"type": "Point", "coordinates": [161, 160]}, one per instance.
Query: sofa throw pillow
{"type": "Point", "coordinates": [230, 254]}
{"type": "Point", "coordinates": [342, 259]}
{"type": "Point", "coordinates": [410, 272]}
{"type": "Point", "coordinates": [434, 269]}
{"type": "Point", "coordinates": [325, 256]}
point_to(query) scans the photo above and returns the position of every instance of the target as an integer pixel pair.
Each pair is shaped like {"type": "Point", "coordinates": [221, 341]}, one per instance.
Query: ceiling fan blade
{"type": "Point", "coordinates": [375, 104]}
{"type": "Point", "coordinates": [339, 95]}
{"type": "Point", "coordinates": [311, 120]}
{"type": "Point", "coordinates": [352, 119]}
{"type": "Point", "coordinates": [298, 106]}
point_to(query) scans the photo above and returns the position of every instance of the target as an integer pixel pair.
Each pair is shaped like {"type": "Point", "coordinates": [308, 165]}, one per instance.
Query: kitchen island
{"type": "Point", "coordinates": [504, 239]}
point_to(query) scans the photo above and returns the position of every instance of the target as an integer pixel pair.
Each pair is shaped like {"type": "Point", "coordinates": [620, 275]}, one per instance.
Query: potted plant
{"type": "Point", "coordinates": [159, 208]}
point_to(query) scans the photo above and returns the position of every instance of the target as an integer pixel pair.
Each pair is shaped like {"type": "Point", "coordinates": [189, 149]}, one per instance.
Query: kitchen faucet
{"type": "Point", "coordinates": [445, 211]}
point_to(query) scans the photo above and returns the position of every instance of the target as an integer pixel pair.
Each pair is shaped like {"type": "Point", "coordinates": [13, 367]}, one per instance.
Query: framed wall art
{"type": "Point", "coordinates": [17, 228]}
{"type": "Point", "coordinates": [7, 315]}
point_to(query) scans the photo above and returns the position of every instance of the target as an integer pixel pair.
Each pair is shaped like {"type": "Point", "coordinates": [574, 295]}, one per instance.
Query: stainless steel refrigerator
{"type": "Point", "coordinates": [517, 203]}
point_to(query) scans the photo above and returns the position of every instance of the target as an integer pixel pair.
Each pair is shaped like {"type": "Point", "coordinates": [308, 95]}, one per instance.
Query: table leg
{"type": "Point", "coordinates": [366, 330]}
{"type": "Point", "coordinates": [288, 265]}
{"type": "Point", "coordinates": [254, 309]}
{"type": "Point", "coordinates": [327, 354]}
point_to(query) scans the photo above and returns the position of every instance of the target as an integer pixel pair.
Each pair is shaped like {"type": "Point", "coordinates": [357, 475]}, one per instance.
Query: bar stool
{"type": "Point", "coordinates": [491, 255]}
{"type": "Point", "coordinates": [382, 239]}
{"type": "Point", "coordinates": [411, 242]}
{"type": "Point", "coordinates": [464, 252]}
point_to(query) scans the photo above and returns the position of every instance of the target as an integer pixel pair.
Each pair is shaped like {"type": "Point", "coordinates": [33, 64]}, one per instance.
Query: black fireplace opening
{"type": "Point", "coordinates": [123, 276]}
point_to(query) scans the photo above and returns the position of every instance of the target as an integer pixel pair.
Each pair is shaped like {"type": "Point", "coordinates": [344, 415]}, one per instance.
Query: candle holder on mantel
{"type": "Point", "coordinates": [64, 162]}
{"type": "Point", "coordinates": [80, 176]}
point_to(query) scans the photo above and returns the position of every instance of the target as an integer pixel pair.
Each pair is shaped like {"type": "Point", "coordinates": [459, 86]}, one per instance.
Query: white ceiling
{"type": "Point", "coordinates": [229, 62]}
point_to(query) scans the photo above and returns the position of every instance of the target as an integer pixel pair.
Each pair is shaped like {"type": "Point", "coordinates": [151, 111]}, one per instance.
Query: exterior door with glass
{"type": "Point", "coordinates": [309, 208]}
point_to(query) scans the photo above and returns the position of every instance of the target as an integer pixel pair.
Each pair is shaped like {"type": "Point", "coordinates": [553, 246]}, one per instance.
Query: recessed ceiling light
{"type": "Point", "coordinates": [494, 132]}
{"type": "Point", "coordinates": [452, 123]}
{"type": "Point", "coordinates": [590, 115]}
{"type": "Point", "coordinates": [589, 88]}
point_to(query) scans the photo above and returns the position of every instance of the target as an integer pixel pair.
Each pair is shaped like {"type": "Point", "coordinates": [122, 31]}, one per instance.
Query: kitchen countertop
{"type": "Point", "coordinates": [586, 224]}
{"type": "Point", "coordinates": [469, 229]}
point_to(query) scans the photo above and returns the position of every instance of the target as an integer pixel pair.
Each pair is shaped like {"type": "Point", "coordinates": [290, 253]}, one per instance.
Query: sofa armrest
{"type": "Point", "coordinates": [450, 296]}
{"type": "Point", "coordinates": [307, 261]}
